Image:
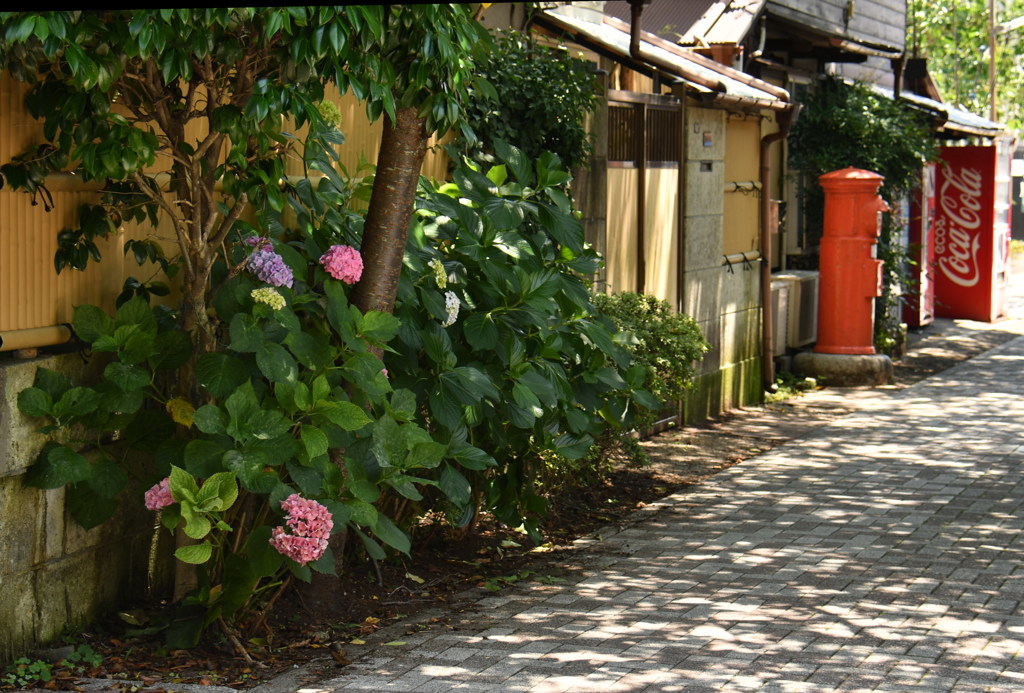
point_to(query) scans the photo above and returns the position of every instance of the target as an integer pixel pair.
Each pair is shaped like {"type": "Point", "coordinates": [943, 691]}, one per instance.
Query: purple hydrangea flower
{"type": "Point", "coordinates": [269, 267]}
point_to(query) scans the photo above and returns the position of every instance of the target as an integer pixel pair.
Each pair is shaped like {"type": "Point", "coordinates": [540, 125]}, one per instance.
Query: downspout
{"type": "Point", "coordinates": [785, 119]}
{"type": "Point", "coordinates": [636, 9]}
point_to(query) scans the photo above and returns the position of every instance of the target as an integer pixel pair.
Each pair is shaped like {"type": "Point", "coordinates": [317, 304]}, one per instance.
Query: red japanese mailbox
{"type": "Point", "coordinates": [851, 276]}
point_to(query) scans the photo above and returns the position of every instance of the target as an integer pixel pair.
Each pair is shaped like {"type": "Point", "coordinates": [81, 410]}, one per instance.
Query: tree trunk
{"type": "Point", "coordinates": [402, 148]}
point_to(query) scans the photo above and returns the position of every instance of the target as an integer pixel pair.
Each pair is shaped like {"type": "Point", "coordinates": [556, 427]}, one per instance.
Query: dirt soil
{"type": "Point", "coordinates": [304, 632]}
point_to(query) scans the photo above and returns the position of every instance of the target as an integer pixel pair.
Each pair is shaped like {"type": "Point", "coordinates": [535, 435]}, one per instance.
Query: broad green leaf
{"type": "Point", "coordinates": [379, 326]}
{"type": "Point", "coordinates": [480, 331]}
{"type": "Point", "coordinates": [361, 512]}
{"type": "Point", "coordinates": [197, 525]}
{"type": "Point", "coordinates": [312, 351]}
{"type": "Point", "coordinates": [210, 419]}
{"type": "Point", "coordinates": [203, 457]}
{"type": "Point", "coordinates": [266, 424]}
{"type": "Point", "coordinates": [345, 414]}
{"type": "Point", "coordinates": [183, 485]}
{"type": "Point", "coordinates": [108, 478]}
{"type": "Point", "coordinates": [194, 553]}
{"type": "Point", "coordinates": [87, 507]}
{"type": "Point", "coordinates": [263, 558]}
{"type": "Point", "coordinates": [241, 406]}
{"type": "Point", "coordinates": [364, 490]}
{"type": "Point", "coordinates": [470, 457]}
{"type": "Point", "coordinates": [402, 405]}
{"type": "Point", "coordinates": [53, 383]}
{"type": "Point", "coordinates": [373, 549]}
{"type": "Point", "coordinates": [389, 443]}
{"type": "Point", "coordinates": [221, 486]}
{"type": "Point", "coordinates": [90, 323]}
{"type": "Point", "coordinates": [34, 402]}
{"type": "Point", "coordinates": [56, 466]}
{"type": "Point", "coordinates": [455, 486]}
{"type": "Point", "coordinates": [175, 350]}
{"type": "Point", "coordinates": [126, 377]}
{"type": "Point", "coordinates": [314, 440]}
{"type": "Point", "coordinates": [528, 401]}
{"type": "Point", "coordinates": [406, 486]}
{"type": "Point", "coordinates": [276, 363]}
{"type": "Point", "coordinates": [136, 312]}
{"type": "Point", "coordinates": [426, 455]}
{"type": "Point", "coordinates": [246, 335]}
{"type": "Point", "coordinates": [78, 401]}
{"type": "Point", "coordinates": [221, 373]}
{"type": "Point", "coordinates": [386, 531]}
{"type": "Point", "coordinates": [248, 467]}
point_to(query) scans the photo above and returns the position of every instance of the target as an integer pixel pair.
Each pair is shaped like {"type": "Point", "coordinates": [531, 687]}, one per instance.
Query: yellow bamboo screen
{"type": "Point", "coordinates": [32, 294]}
{"type": "Point", "coordinates": [621, 259]}
{"type": "Point", "coordinates": [661, 233]}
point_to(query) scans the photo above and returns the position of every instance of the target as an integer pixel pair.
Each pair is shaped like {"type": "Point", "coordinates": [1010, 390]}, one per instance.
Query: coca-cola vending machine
{"type": "Point", "coordinates": [972, 232]}
{"type": "Point", "coordinates": [919, 308]}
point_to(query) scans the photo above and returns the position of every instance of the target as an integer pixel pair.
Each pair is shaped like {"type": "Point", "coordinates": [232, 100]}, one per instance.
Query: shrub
{"type": "Point", "coordinates": [526, 369]}
{"type": "Point", "coordinates": [665, 343]}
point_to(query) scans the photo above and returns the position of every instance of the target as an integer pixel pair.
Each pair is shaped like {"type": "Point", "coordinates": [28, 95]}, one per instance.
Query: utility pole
{"type": "Point", "coordinates": [992, 60]}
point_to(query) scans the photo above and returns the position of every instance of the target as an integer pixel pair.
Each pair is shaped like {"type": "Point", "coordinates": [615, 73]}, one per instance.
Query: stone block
{"type": "Point", "coordinates": [741, 335]}
{"type": "Point", "coordinates": [701, 294]}
{"type": "Point", "coordinates": [21, 531]}
{"type": "Point", "coordinates": [19, 443]}
{"type": "Point", "coordinates": [705, 182]}
{"type": "Point", "coordinates": [703, 242]}
{"type": "Point", "coordinates": [741, 288]}
{"type": "Point", "coordinates": [845, 370]}
{"type": "Point", "coordinates": [705, 133]}
{"type": "Point", "coordinates": [17, 616]}
{"type": "Point", "coordinates": [712, 331]}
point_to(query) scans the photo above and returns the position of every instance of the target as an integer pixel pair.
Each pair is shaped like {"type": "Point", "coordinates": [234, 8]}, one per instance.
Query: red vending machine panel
{"type": "Point", "coordinates": [972, 233]}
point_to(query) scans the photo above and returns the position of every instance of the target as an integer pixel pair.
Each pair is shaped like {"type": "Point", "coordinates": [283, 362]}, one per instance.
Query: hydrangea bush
{"type": "Point", "coordinates": [500, 340]}
{"type": "Point", "coordinates": [494, 359]}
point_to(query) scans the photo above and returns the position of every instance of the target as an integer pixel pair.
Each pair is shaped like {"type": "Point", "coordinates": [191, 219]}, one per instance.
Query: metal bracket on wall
{"type": "Point", "coordinates": [746, 258]}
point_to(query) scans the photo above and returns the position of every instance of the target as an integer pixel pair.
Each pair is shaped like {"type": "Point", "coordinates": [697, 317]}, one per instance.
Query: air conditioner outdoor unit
{"type": "Point", "coordinates": [780, 317]}
{"type": "Point", "coordinates": [802, 323]}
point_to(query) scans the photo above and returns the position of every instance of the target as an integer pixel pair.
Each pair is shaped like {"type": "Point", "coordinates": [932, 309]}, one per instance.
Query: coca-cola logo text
{"type": "Point", "coordinates": [957, 229]}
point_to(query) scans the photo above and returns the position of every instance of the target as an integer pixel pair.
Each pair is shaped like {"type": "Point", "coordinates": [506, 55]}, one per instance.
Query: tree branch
{"type": "Point", "coordinates": [179, 232]}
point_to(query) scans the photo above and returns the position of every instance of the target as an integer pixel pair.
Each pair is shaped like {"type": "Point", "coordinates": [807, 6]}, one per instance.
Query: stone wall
{"type": "Point", "coordinates": [53, 574]}
{"type": "Point", "coordinates": [725, 301]}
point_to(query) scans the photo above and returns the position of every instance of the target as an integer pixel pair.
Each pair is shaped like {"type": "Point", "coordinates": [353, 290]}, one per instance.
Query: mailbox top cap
{"type": "Point", "coordinates": [851, 173]}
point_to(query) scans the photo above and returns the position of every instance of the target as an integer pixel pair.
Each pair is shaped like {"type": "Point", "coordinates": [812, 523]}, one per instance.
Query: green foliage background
{"type": "Point", "coordinates": [535, 97]}
{"type": "Point", "coordinates": [954, 38]}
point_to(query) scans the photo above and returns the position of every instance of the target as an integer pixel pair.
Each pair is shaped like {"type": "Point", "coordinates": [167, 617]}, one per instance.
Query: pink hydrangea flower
{"type": "Point", "coordinates": [310, 524]}
{"type": "Point", "coordinates": [159, 496]}
{"type": "Point", "coordinates": [343, 262]}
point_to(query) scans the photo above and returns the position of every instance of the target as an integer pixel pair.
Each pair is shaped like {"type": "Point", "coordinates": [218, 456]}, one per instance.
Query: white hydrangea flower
{"type": "Point", "coordinates": [451, 304]}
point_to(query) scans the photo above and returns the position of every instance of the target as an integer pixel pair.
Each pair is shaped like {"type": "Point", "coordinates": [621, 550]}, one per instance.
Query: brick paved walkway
{"type": "Point", "coordinates": [881, 552]}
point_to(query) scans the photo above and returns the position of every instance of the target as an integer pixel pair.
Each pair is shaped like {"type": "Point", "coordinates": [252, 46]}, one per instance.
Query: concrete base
{"type": "Point", "coordinates": [844, 370]}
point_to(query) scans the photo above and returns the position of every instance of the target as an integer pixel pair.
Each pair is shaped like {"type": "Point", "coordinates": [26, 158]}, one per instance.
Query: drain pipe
{"type": "Point", "coordinates": [785, 119]}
